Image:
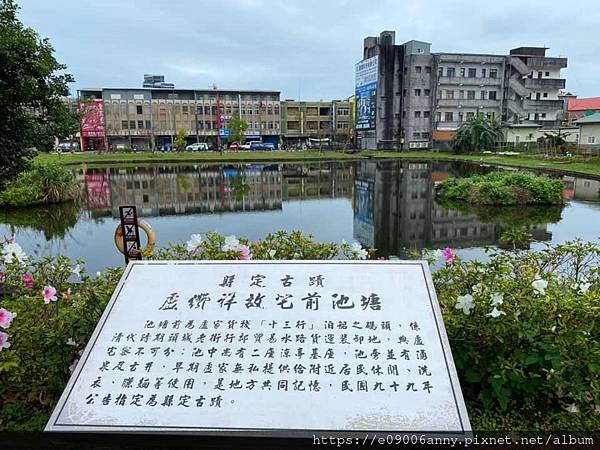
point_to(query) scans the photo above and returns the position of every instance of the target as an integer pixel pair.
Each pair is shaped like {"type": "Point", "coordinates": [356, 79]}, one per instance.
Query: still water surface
{"type": "Point", "coordinates": [389, 205]}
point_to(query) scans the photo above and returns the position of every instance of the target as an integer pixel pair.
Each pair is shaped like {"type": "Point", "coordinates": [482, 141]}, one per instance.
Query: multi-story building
{"type": "Point", "coordinates": [322, 121]}
{"type": "Point", "coordinates": [150, 117]}
{"type": "Point", "coordinates": [409, 97]}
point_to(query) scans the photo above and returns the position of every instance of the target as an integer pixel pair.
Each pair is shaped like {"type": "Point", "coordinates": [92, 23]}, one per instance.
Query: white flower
{"type": "Point", "coordinates": [465, 302]}
{"type": "Point", "coordinates": [13, 253]}
{"type": "Point", "coordinates": [272, 253]}
{"type": "Point", "coordinates": [98, 274]}
{"type": "Point", "coordinates": [572, 408]}
{"type": "Point", "coordinates": [359, 251]}
{"type": "Point", "coordinates": [584, 286]}
{"type": "Point", "coordinates": [478, 288]}
{"type": "Point", "coordinates": [76, 270]}
{"type": "Point", "coordinates": [496, 313]}
{"type": "Point", "coordinates": [597, 409]}
{"type": "Point", "coordinates": [517, 313]}
{"type": "Point", "coordinates": [296, 255]}
{"type": "Point", "coordinates": [437, 254]}
{"type": "Point", "coordinates": [539, 286]}
{"type": "Point", "coordinates": [231, 243]}
{"type": "Point", "coordinates": [71, 342]}
{"type": "Point", "coordinates": [193, 243]}
{"type": "Point", "coordinates": [553, 329]}
{"type": "Point", "coordinates": [497, 299]}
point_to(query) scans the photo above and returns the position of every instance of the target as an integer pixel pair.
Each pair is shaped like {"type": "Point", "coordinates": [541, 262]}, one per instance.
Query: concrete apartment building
{"type": "Point", "coordinates": [417, 97]}
{"type": "Point", "coordinates": [305, 120]}
{"type": "Point", "coordinates": [146, 118]}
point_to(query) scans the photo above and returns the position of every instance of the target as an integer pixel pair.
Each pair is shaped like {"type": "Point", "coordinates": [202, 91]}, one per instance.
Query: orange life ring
{"type": "Point", "coordinates": [150, 234]}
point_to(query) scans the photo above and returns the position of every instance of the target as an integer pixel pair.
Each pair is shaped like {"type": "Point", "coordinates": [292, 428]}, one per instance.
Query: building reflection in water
{"type": "Point", "coordinates": [159, 191]}
{"type": "Point", "coordinates": [395, 211]}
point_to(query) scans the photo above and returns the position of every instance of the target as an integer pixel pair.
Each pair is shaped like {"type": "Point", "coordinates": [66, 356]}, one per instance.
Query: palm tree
{"type": "Point", "coordinates": [478, 133]}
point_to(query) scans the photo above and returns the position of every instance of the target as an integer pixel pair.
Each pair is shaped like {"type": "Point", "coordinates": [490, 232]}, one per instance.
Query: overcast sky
{"type": "Point", "coordinates": [304, 48]}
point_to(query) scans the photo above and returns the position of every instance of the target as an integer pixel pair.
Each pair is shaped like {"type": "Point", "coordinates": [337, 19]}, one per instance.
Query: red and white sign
{"type": "Point", "coordinates": [92, 122]}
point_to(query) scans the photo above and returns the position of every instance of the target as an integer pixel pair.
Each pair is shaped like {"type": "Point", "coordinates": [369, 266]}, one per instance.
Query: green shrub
{"type": "Point", "coordinates": [502, 189]}
{"type": "Point", "coordinates": [517, 343]}
{"type": "Point", "coordinates": [44, 183]}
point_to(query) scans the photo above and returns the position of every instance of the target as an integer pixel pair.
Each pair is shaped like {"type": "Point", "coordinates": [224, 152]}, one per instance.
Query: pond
{"type": "Point", "coordinates": [389, 205]}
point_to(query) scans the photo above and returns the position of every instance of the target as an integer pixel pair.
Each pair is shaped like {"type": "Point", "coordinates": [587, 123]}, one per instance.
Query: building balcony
{"type": "Point", "coordinates": [543, 104]}
{"type": "Point", "coordinates": [545, 83]}
{"type": "Point", "coordinates": [470, 81]}
{"type": "Point", "coordinates": [448, 125]}
{"type": "Point", "coordinates": [546, 63]}
{"type": "Point", "coordinates": [465, 103]}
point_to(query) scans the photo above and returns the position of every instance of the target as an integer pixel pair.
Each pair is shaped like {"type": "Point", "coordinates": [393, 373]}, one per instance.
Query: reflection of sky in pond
{"type": "Point", "coordinates": [388, 205]}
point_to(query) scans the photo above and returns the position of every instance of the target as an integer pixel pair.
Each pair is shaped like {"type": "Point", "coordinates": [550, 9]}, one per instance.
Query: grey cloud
{"type": "Point", "coordinates": [295, 46]}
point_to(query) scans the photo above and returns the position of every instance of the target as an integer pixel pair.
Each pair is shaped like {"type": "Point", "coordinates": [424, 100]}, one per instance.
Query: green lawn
{"type": "Point", "coordinates": [575, 165]}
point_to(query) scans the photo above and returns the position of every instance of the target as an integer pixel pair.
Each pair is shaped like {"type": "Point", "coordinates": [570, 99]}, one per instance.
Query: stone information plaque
{"type": "Point", "coordinates": [288, 348]}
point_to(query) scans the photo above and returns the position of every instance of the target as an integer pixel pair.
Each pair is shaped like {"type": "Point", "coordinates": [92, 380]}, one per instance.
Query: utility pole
{"type": "Point", "coordinates": [218, 119]}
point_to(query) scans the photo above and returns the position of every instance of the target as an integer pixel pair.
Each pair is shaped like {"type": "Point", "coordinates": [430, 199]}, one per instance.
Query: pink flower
{"type": "Point", "coordinates": [4, 340]}
{"type": "Point", "coordinates": [49, 294]}
{"type": "Point", "coordinates": [382, 258]}
{"type": "Point", "coordinates": [27, 280]}
{"type": "Point", "coordinates": [245, 252]}
{"type": "Point", "coordinates": [2, 277]}
{"type": "Point", "coordinates": [6, 317]}
{"type": "Point", "coordinates": [449, 256]}
{"type": "Point", "coordinates": [589, 396]}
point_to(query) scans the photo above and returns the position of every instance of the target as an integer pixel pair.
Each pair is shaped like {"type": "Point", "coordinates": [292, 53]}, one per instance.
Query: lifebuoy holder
{"type": "Point", "coordinates": [142, 224]}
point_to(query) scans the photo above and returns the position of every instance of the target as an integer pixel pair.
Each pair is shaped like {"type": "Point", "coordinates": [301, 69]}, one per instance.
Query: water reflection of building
{"type": "Point", "coordinates": [313, 181]}
{"type": "Point", "coordinates": [581, 188]}
{"type": "Point", "coordinates": [395, 211]}
{"type": "Point", "coordinates": [183, 190]}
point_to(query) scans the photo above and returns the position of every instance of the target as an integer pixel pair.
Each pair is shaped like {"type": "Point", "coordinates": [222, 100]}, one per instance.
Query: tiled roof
{"type": "Point", "coordinates": [584, 104]}
{"type": "Point", "coordinates": [593, 118]}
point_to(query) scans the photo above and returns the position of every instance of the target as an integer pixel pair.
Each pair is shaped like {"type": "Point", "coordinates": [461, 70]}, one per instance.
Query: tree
{"type": "Point", "coordinates": [236, 128]}
{"type": "Point", "coordinates": [180, 139]}
{"type": "Point", "coordinates": [478, 133]}
{"type": "Point", "coordinates": [32, 112]}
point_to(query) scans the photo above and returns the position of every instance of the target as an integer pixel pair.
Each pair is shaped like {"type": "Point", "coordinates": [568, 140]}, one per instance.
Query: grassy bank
{"type": "Point", "coordinates": [574, 165]}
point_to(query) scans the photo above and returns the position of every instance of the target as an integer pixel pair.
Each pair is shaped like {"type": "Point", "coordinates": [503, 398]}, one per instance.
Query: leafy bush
{"type": "Point", "coordinates": [47, 183]}
{"type": "Point", "coordinates": [478, 133]}
{"type": "Point", "coordinates": [502, 188]}
{"type": "Point", "coordinates": [525, 327]}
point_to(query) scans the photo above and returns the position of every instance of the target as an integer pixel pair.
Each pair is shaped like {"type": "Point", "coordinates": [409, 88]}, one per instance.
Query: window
{"type": "Point", "coordinates": [140, 124]}
{"type": "Point", "coordinates": [184, 109]}
{"type": "Point", "coordinates": [483, 73]}
{"type": "Point", "coordinates": [426, 114]}
{"type": "Point", "coordinates": [115, 96]}
{"type": "Point", "coordinates": [470, 95]}
{"type": "Point", "coordinates": [428, 69]}
{"type": "Point", "coordinates": [493, 73]}
{"type": "Point", "coordinates": [132, 124]}
{"type": "Point", "coordinates": [418, 92]}
{"type": "Point", "coordinates": [438, 116]}
{"type": "Point", "coordinates": [461, 117]}
{"type": "Point", "coordinates": [483, 94]}
{"type": "Point", "coordinates": [591, 139]}
{"type": "Point", "coordinates": [449, 94]}
{"type": "Point", "coordinates": [543, 115]}
{"type": "Point", "coordinates": [451, 72]}
{"type": "Point", "coordinates": [148, 125]}
{"type": "Point", "coordinates": [417, 114]}
{"type": "Point", "coordinates": [470, 115]}
{"type": "Point", "coordinates": [517, 138]}
{"type": "Point", "coordinates": [547, 74]}
{"type": "Point", "coordinates": [417, 135]}
{"type": "Point", "coordinates": [493, 95]}
{"type": "Point", "coordinates": [472, 73]}
{"type": "Point", "coordinates": [425, 135]}
{"type": "Point", "coordinates": [124, 124]}
{"type": "Point", "coordinates": [139, 109]}
{"type": "Point", "coordinates": [403, 114]}
{"type": "Point", "coordinates": [448, 116]}
{"type": "Point", "coordinates": [427, 92]}
{"type": "Point", "coordinates": [441, 72]}
{"type": "Point", "coordinates": [418, 69]}
{"type": "Point", "coordinates": [461, 94]}
{"type": "Point", "coordinates": [545, 95]}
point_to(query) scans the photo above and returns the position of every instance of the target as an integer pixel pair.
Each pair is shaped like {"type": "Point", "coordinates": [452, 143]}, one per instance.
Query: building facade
{"type": "Point", "coordinates": [146, 118]}
{"type": "Point", "coordinates": [423, 97]}
{"type": "Point", "coordinates": [319, 121]}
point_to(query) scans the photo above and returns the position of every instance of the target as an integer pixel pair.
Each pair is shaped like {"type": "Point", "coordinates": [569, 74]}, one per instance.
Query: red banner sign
{"type": "Point", "coordinates": [92, 122]}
